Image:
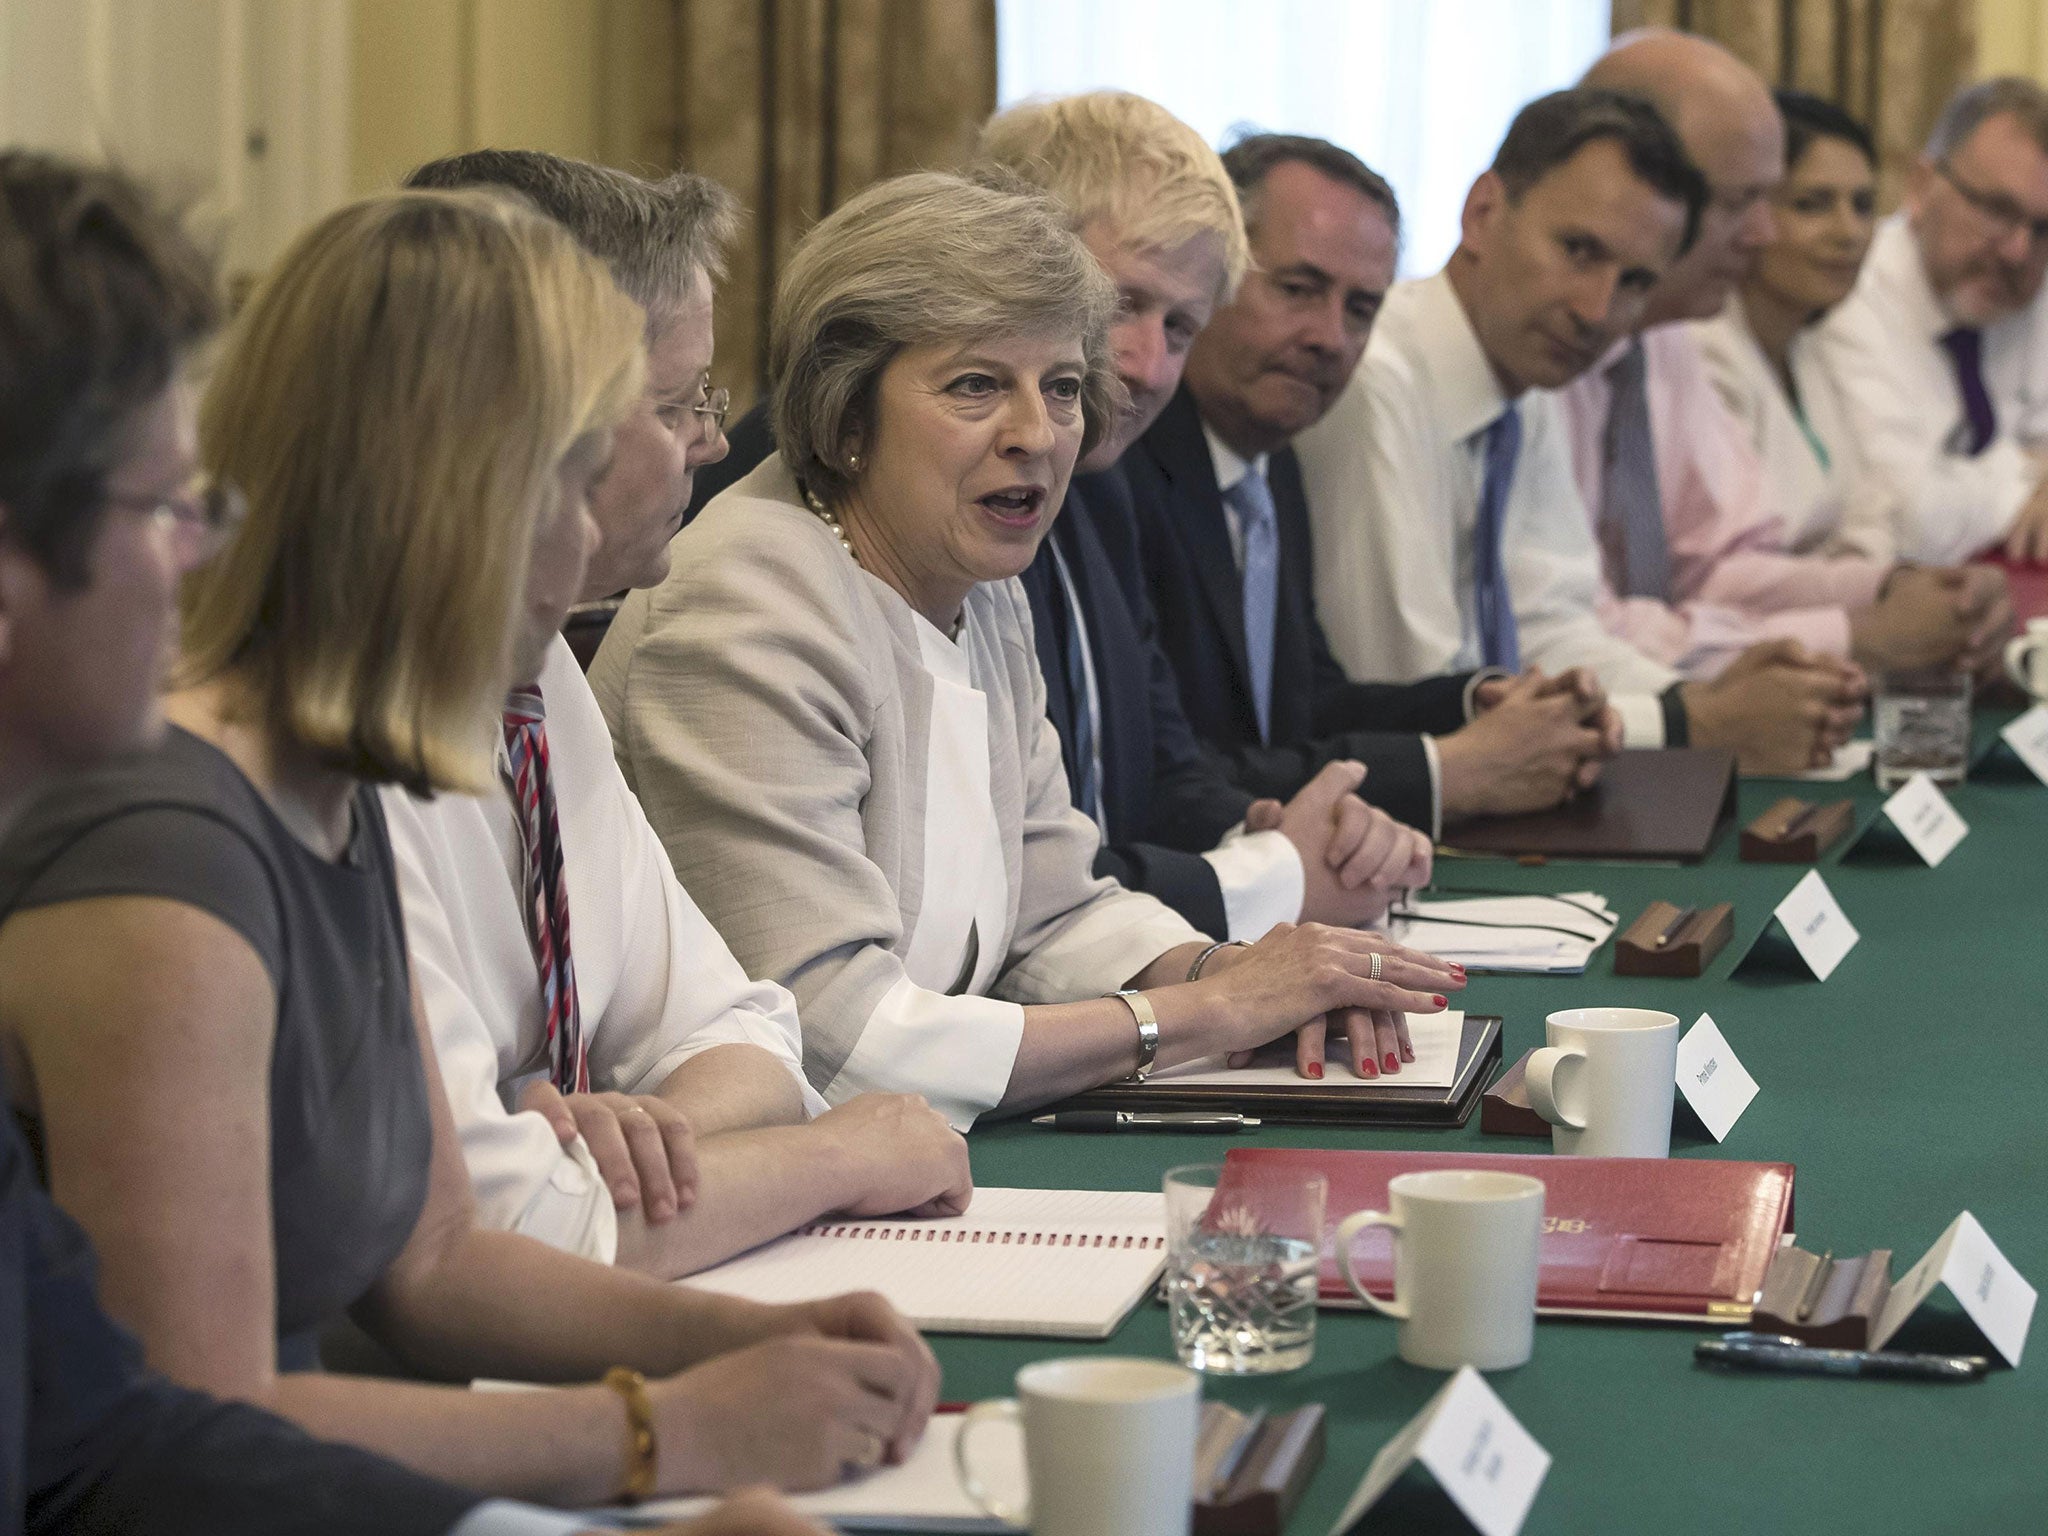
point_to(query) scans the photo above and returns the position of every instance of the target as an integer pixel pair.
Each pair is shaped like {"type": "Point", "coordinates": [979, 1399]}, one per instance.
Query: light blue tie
{"type": "Point", "coordinates": [1260, 526]}
{"type": "Point", "coordinates": [1492, 603]}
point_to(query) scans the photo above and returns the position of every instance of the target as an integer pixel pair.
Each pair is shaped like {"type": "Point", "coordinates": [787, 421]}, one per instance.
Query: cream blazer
{"type": "Point", "coordinates": [770, 704]}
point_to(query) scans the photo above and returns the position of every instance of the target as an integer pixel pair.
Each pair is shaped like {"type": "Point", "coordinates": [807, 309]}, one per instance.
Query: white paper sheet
{"type": "Point", "coordinates": [1851, 758]}
{"type": "Point", "coordinates": [1434, 1036]}
{"type": "Point", "coordinates": [1517, 932]}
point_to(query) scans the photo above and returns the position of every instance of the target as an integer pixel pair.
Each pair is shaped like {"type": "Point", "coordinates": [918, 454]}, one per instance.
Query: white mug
{"type": "Point", "coordinates": [1465, 1252]}
{"type": "Point", "coordinates": [2026, 659]}
{"type": "Point", "coordinates": [1109, 1447]}
{"type": "Point", "coordinates": [1604, 1081]}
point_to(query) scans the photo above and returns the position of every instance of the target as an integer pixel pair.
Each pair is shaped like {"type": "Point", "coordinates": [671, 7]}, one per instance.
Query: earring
{"type": "Point", "coordinates": [853, 462]}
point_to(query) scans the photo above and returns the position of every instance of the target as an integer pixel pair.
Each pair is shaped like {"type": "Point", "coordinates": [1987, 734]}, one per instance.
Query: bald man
{"type": "Point", "coordinates": [1695, 570]}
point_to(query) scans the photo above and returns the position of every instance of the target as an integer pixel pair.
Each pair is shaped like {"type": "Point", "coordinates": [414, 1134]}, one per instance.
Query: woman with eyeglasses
{"type": "Point", "coordinates": [1762, 348]}
{"type": "Point", "coordinates": [203, 973]}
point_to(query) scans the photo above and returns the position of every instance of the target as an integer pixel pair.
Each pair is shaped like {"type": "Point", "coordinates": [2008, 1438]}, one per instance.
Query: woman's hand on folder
{"type": "Point", "coordinates": [1299, 974]}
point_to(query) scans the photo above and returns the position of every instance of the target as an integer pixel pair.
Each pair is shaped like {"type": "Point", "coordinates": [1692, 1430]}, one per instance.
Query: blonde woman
{"type": "Point", "coordinates": [202, 966]}
{"type": "Point", "coordinates": [833, 715]}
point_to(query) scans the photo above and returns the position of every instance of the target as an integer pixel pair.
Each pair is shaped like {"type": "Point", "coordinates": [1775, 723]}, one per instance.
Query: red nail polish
{"type": "Point", "coordinates": [1439, 1001]}
{"type": "Point", "coordinates": [1407, 1053]}
{"type": "Point", "coordinates": [1370, 1069]}
{"type": "Point", "coordinates": [1390, 1064]}
{"type": "Point", "coordinates": [1315, 1070]}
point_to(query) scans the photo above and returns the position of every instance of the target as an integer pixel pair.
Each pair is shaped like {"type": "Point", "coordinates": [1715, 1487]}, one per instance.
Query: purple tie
{"type": "Point", "coordinates": [1965, 345]}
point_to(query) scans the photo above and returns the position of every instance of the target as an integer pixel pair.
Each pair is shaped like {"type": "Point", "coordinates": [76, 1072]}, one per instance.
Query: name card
{"type": "Point", "coordinates": [2028, 738]}
{"type": "Point", "coordinates": [1925, 819]}
{"type": "Point", "coordinates": [1816, 924]}
{"type": "Point", "coordinates": [1714, 1083]}
{"type": "Point", "coordinates": [1991, 1291]}
{"type": "Point", "coordinates": [1476, 1450]}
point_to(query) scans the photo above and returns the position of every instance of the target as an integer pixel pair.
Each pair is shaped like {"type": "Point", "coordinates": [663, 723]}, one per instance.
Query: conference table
{"type": "Point", "coordinates": [1911, 1085]}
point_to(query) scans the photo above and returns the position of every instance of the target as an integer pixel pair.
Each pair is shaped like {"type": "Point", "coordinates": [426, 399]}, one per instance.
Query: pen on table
{"type": "Point", "coordinates": [1773, 1352]}
{"type": "Point", "coordinates": [1671, 929]}
{"type": "Point", "coordinates": [1137, 1120]}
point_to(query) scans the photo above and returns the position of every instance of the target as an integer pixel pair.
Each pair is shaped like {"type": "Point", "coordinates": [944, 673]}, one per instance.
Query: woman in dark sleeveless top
{"type": "Point", "coordinates": [202, 964]}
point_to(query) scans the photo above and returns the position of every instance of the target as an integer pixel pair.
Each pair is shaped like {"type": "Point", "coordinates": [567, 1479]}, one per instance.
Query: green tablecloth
{"type": "Point", "coordinates": [1908, 1087]}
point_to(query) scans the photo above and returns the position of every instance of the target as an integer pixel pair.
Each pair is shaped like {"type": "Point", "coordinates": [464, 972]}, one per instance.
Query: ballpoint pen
{"type": "Point", "coordinates": [1777, 1352]}
{"type": "Point", "coordinates": [1138, 1120]}
{"type": "Point", "coordinates": [1672, 929]}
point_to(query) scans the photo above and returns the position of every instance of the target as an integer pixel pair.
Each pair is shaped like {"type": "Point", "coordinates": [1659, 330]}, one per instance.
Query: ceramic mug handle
{"type": "Point", "coordinates": [1541, 1080]}
{"type": "Point", "coordinates": [2017, 651]}
{"type": "Point", "coordinates": [984, 1413]}
{"type": "Point", "coordinates": [1352, 1225]}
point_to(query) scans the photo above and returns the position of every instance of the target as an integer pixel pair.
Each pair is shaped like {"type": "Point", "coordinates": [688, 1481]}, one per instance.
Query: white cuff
{"type": "Point", "coordinates": [1436, 789]}
{"type": "Point", "coordinates": [958, 1052]}
{"type": "Point", "coordinates": [573, 1210]}
{"type": "Point", "coordinates": [1642, 718]}
{"type": "Point", "coordinates": [1262, 879]}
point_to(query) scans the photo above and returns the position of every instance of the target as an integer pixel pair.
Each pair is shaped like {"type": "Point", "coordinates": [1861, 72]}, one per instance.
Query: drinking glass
{"type": "Point", "coordinates": [1922, 725]}
{"type": "Point", "coordinates": [1242, 1255]}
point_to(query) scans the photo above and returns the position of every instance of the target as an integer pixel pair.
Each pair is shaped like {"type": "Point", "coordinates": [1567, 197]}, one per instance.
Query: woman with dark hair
{"type": "Point", "coordinates": [1761, 350]}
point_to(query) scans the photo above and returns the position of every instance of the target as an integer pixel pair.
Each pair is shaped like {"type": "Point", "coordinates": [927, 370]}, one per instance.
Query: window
{"type": "Point", "coordinates": [1421, 90]}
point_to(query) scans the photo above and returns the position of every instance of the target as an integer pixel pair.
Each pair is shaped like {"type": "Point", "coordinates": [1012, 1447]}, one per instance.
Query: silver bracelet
{"type": "Point", "coordinates": [1195, 970]}
{"type": "Point", "coordinates": [1148, 1031]}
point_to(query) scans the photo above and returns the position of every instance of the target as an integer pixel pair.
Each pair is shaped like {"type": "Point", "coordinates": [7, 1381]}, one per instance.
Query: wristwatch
{"type": "Point", "coordinates": [1148, 1031]}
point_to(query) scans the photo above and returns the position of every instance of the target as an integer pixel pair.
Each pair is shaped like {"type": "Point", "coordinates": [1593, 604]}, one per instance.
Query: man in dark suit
{"type": "Point", "coordinates": [1168, 231]}
{"type": "Point", "coordinates": [1224, 533]}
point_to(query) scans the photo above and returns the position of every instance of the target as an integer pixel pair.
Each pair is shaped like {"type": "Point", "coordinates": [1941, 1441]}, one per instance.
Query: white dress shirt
{"type": "Point", "coordinates": [1393, 475]}
{"type": "Point", "coordinates": [1824, 495]}
{"type": "Point", "coordinates": [1883, 346]}
{"type": "Point", "coordinates": [1259, 874]}
{"type": "Point", "coordinates": [654, 982]}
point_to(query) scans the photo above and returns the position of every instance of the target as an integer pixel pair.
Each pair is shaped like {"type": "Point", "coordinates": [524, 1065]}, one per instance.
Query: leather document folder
{"type": "Point", "coordinates": [1339, 1099]}
{"type": "Point", "coordinates": [1652, 803]}
{"type": "Point", "coordinates": [1684, 1240]}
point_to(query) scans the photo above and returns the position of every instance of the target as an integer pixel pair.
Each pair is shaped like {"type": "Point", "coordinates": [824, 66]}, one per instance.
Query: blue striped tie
{"type": "Point", "coordinates": [1492, 603]}
{"type": "Point", "coordinates": [1253, 499]}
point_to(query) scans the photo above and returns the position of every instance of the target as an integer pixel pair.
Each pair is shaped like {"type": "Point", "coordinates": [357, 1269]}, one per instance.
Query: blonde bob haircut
{"type": "Point", "coordinates": [924, 259]}
{"type": "Point", "coordinates": [394, 401]}
{"type": "Point", "coordinates": [1127, 164]}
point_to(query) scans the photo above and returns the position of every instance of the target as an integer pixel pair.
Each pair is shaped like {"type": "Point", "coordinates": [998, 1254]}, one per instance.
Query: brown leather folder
{"type": "Point", "coordinates": [1653, 803]}
{"type": "Point", "coordinates": [1678, 1239]}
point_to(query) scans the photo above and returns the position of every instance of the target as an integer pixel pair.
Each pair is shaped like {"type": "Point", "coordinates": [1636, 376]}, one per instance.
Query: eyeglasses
{"type": "Point", "coordinates": [210, 510]}
{"type": "Point", "coordinates": [1995, 208]}
{"type": "Point", "coordinates": [717, 405]}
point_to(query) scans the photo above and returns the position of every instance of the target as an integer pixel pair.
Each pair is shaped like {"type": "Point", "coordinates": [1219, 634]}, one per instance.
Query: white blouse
{"type": "Point", "coordinates": [955, 950]}
{"type": "Point", "coordinates": [1817, 483]}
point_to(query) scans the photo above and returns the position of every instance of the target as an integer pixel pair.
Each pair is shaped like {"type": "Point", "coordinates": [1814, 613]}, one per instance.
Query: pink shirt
{"type": "Point", "coordinates": [1733, 583]}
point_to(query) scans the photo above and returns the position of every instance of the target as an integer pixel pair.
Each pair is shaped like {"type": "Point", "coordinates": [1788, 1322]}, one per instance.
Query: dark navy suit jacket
{"type": "Point", "coordinates": [1317, 713]}
{"type": "Point", "coordinates": [1164, 798]}
{"type": "Point", "coordinates": [92, 1441]}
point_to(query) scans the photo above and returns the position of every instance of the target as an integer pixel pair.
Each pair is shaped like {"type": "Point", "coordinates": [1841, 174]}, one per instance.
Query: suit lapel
{"type": "Point", "coordinates": [1182, 453]}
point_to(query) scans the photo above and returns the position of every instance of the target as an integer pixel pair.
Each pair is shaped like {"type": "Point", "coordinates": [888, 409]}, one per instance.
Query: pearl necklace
{"type": "Point", "coordinates": [825, 515]}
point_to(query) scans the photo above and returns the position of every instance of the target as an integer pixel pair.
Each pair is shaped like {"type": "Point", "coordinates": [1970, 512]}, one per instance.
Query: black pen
{"type": "Point", "coordinates": [1137, 1120]}
{"type": "Point", "coordinates": [1672, 929]}
{"type": "Point", "coordinates": [1775, 1352]}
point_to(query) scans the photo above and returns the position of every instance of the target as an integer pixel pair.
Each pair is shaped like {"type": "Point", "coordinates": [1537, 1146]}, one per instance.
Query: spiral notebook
{"type": "Point", "coordinates": [1042, 1263]}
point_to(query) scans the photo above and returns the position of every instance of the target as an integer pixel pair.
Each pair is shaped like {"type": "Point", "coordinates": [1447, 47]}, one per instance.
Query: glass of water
{"type": "Point", "coordinates": [1243, 1251]}
{"type": "Point", "coordinates": [1922, 725]}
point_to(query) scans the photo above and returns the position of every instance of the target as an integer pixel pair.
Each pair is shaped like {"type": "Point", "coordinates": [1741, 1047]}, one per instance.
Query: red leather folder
{"type": "Point", "coordinates": [2028, 584]}
{"type": "Point", "coordinates": [1675, 1239]}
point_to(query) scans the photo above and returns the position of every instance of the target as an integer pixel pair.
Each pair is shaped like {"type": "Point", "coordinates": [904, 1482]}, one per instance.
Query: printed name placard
{"type": "Point", "coordinates": [2028, 738]}
{"type": "Point", "coordinates": [1816, 924]}
{"type": "Point", "coordinates": [1714, 1083]}
{"type": "Point", "coordinates": [1991, 1291]}
{"type": "Point", "coordinates": [1476, 1450]}
{"type": "Point", "coordinates": [1926, 819]}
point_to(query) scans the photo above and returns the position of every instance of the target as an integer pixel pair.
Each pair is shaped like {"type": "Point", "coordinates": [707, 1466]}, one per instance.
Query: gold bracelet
{"type": "Point", "coordinates": [642, 1453]}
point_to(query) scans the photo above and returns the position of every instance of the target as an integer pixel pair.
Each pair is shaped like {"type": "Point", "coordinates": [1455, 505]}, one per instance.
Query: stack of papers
{"type": "Point", "coordinates": [1539, 935]}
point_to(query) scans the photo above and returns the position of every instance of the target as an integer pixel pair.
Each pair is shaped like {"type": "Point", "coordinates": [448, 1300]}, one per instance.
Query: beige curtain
{"type": "Point", "coordinates": [795, 105]}
{"type": "Point", "coordinates": [1892, 63]}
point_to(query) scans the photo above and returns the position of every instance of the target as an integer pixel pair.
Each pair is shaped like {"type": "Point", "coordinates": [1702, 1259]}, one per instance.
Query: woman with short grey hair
{"type": "Point", "coordinates": [833, 716]}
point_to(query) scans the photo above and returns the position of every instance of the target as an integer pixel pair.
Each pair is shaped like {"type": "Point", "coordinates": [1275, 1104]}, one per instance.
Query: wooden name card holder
{"type": "Point", "coordinates": [1823, 1300]}
{"type": "Point", "coordinates": [1670, 940]}
{"type": "Point", "coordinates": [1796, 831]}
